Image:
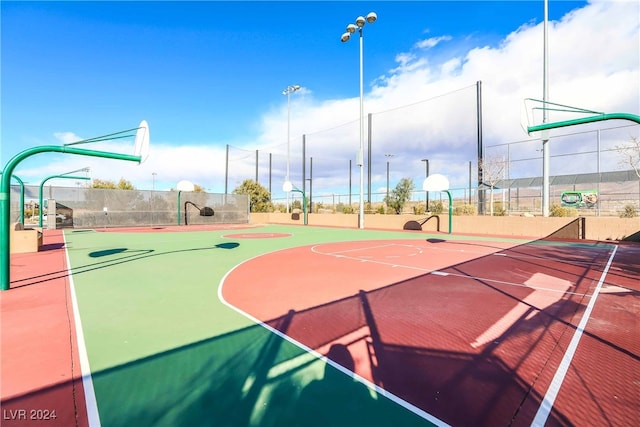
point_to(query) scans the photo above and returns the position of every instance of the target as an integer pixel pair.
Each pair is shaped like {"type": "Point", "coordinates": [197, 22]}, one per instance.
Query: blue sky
{"type": "Point", "coordinates": [210, 73]}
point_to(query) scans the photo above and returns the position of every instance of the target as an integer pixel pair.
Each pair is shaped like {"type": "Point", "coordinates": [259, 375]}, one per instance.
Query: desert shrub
{"type": "Point", "coordinates": [561, 211]}
{"type": "Point", "coordinates": [436, 207]}
{"type": "Point", "coordinates": [465, 210]}
{"type": "Point", "coordinates": [629, 212]}
{"type": "Point", "coordinates": [348, 209]}
{"type": "Point", "coordinates": [499, 209]}
{"type": "Point", "coordinates": [419, 209]}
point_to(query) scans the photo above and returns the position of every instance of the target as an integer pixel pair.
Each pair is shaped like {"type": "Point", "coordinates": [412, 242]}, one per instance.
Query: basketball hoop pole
{"type": "Point", "coordinates": [288, 187]}
{"type": "Point", "coordinates": [5, 195]}
{"type": "Point", "coordinates": [450, 209]}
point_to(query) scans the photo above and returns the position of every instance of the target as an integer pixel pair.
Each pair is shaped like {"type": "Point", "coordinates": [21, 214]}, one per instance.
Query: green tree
{"type": "Point", "coordinates": [259, 197]}
{"type": "Point", "coordinates": [400, 195]}
{"type": "Point", "coordinates": [117, 197]}
{"type": "Point", "coordinates": [106, 184]}
{"type": "Point", "coordinates": [123, 184]}
{"type": "Point", "coordinates": [103, 183]}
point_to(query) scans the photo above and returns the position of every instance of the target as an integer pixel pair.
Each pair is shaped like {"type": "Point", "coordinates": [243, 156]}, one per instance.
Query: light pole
{"type": "Point", "coordinates": [545, 112]}
{"type": "Point", "coordinates": [426, 175]}
{"type": "Point", "coordinates": [388, 156]}
{"type": "Point", "coordinates": [351, 28]}
{"type": "Point", "coordinates": [288, 91]}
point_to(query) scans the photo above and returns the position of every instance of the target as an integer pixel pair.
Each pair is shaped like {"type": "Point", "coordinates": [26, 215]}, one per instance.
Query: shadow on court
{"type": "Point", "coordinates": [415, 338]}
{"type": "Point", "coordinates": [109, 258]}
{"type": "Point", "coordinates": [250, 377]}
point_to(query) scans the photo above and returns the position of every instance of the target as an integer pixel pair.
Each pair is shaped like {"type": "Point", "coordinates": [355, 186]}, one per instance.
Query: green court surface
{"type": "Point", "coordinates": [165, 350]}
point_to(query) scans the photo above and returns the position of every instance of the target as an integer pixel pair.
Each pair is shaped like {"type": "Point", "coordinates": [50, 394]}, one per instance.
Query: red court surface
{"type": "Point", "coordinates": [469, 332]}
{"type": "Point", "coordinates": [472, 333]}
{"type": "Point", "coordinates": [41, 376]}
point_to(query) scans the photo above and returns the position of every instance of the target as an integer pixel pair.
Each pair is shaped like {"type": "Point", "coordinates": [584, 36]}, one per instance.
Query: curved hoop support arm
{"type": "Point", "coordinates": [611, 116]}
{"type": "Point", "coordinates": [5, 193]}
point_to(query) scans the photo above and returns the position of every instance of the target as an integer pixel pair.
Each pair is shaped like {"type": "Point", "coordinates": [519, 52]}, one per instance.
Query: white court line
{"type": "Point", "coordinates": [391, 264]}
{"type": "Point", "coordinates": [438, 273]}
{"type": "Point", "coordinates": [552, 259]}
{"type": "Point", "coordinates": [381, 391]}
{"type": "Point", "coordinates": [549, 398]}
{"type": "Point", "coordinates": [313, 249]}
{"type": "Point", "coordinates": [93, 415]}
{"type": "Point", "coordinates": [499, 252]}
{"type": "Point", "coordinates": [503, 282]}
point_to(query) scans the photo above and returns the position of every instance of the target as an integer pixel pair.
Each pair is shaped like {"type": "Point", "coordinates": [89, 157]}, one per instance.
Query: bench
{"type": "Point", "coordinates": [24, 240]}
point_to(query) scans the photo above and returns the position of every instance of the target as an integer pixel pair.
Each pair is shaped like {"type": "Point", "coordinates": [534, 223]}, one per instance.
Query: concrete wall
{"type": "Point", "coordinates": [591, 228]}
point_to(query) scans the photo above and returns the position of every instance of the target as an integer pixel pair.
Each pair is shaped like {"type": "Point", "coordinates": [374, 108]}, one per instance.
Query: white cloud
{"type": "Point", "coordinates": [66, 137]}
{"type": "Point", "coordinates": [427, 109]}
{"type": "Point", "coordinates": [431, 42]}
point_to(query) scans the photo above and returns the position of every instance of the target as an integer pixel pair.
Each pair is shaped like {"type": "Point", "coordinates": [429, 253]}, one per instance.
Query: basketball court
{"type": "Point", "coordinates": [290, 325]}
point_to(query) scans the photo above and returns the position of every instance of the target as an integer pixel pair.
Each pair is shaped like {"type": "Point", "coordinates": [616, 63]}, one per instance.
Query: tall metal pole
{"type": "Point", "coordinates": [351, 28]}
{"type": "Point", "coordinates": [387, 198]}
{"type": "Point", "coordinates": [481, 191]}
{"type": "Point", "coordinates": [599, 177]}
{"type": "Point", "coordinates": [426, 175]}
{"type": "Point", "coordinates": [361, 154]}
{"type": "Point", "coordinates": [288, 91]}
{"type": "Point", "coordinates": [288, 131]}
{"type": "Point", "coordinates": [469, 181]}
{"type": "Point", "coordinates": [288, 142]}
{"type": "Point", "coordinates": [256, 166]}
{"type": "Point", "coordinates": [545, 140]}
{"type": "Point", "coordinates": [311, 184]}
{"type": "Point", "coordinates": [304, 164]}
{"type": "Point", "coordinates": [369, 157]}
{"type": "Point", "coordinates": [388, 156]}
{"type": "Point", "coordinates": [350, 169]}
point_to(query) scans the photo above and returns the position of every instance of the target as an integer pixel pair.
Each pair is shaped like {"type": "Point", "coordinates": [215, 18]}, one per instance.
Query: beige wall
{"type": "Point", "coordinates": [592, 228]}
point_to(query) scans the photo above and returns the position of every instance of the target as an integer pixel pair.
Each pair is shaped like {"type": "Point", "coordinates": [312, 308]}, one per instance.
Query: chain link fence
{"type": "Point", "coordinates": [81, 207]}
{"type": "Point", "coordinates": [582, 159]}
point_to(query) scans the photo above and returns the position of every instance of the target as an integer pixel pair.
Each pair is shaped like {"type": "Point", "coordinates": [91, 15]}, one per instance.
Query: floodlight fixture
{"type": "Point", "coordinates": [372, 17]}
